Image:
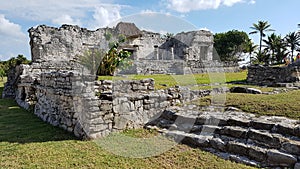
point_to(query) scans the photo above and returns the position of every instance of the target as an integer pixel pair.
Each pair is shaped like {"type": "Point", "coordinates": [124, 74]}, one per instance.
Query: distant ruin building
{"type": "Point", "coordinates": [184, 53]}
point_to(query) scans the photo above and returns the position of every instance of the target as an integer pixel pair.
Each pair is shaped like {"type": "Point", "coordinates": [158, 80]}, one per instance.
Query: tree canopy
{"type": "Point", "coordinates": [230, 45]}
{"type": "Point", "coordinates": [5, 66]}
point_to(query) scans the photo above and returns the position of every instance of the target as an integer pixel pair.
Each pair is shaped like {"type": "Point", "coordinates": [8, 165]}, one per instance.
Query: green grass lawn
{"type": "Point", "coordinates": [282, 104]}
{"type": "Point", "coordinates": [164, 81]}
{"type": "Point", "coordinates": [27, 142]}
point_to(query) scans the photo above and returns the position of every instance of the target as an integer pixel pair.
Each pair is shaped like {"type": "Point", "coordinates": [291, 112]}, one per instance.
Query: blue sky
{"type": "Point", "coordinates": [17, 16]}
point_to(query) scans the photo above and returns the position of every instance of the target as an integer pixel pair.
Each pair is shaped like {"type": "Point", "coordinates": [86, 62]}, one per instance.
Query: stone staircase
{"type": "Point", "coordinates": [272, 142]}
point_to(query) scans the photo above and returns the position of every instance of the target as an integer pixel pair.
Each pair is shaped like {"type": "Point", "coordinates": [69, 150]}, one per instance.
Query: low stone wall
{"type": "Point", "coordinates": [156, 67]}
{"type": "Point", "coordinates": [198, 66]}
{"type": "Point", "coordinates": [90, 109]}
{"type": "Point", "coordinates": [271, 76]}
{"type": "Point", "coordinates": [179, 67]}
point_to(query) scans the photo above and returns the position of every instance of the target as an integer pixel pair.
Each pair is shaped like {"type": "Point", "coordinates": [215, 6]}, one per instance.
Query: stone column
{"type": "Point", "coordinates": [172, 53]}
{"type": "Point", "coordinates": [210, 52]}
{"type": "Point", "coordinates": [156, 57]}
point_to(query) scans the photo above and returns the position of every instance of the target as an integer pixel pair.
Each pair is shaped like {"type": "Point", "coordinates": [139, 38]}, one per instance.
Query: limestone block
{"type": "Point", "coordinates": [237, 148]}
{"type": "Point", "coordinates": [277, 158]}
{"type": "Point", "coordinates": [265, 138]}
{"type": "Point", "coordinates": [98, 120]}
{"type": "Point", "coordinates": [286, 127]}
{"type": "Point", "coordinates": [292, 147]}
{"type": "Point", "coordinates": [120, 122]}
{"type": "Point", "coordinates": [234, 131]}
{"type": "Point", "coordinates": [257, 153]}
{"type": "Point", "coordinates": [238, 121]}
{"type": "Point", "coordinates": [218, 144]}
{"type": "Point", "coordinates": [262, 123]}
{"type": "Point", "coordinates": [106, 106]}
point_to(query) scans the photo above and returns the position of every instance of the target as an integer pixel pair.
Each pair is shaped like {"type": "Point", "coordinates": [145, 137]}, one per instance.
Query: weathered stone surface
{"type": "Point", "coordinates": [237, 148]}
{"type": "Point", "coordinates": [257, 153]}
{"type": "Point", "coordinates": [242, 160]}
{"type": "Point", "coordinates": [292, 147]}
{"type": "Point", "coordinates": [234, 131]}
{"type": "Point", "coordinates": [264, 138]}
{"type": "Point", "coordinates": [262, 123]}
{"type": "Point", "coordinates": [277, 158]}
{"type": "Point", "coordinates": [271, 76]}
{"type": "Point", "coordinates": [239, 121]}
{"type": "Point", "coordinates": [218, 144]}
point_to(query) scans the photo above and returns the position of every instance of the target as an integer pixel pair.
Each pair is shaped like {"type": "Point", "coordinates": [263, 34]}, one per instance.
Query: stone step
{"type": "Point", "coordinates": [259, 137]}
{"type": "Point", "coordinates": [239, 150]}
{"type": "Point", "coordinates": [273, 124]}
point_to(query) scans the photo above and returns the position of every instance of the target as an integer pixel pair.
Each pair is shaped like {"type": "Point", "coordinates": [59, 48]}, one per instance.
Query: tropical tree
{"type": "Point", "coordinates": [281, 52]}
{"type": "Point", "coordinates": [261, 27]}
{"type": "Point", "coordinates": [293, 41]}
{"type": "Point", "coordinates": [261, 57]}
{"type": "Point", "coordinates": [250, 47]}
{"type": "Point", "coordinates": [230, 45]}
{"type": "Point", "coordinates": [273, 44]}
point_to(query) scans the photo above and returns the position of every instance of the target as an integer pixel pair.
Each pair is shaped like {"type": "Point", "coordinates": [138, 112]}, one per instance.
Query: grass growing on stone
{"type": "Point", "coordinates": [164, 81]}
{"type": "Point", "coordinates": [282, 104]}
{"type": "Point", "coordinates": [27, 142]}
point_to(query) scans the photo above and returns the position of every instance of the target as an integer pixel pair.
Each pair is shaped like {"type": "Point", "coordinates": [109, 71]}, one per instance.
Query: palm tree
{"type": "Point", "coordinates": [293, 41]}
{"type": "Point", "coordinates": [250, 48]}
{"type": "Point", "coordinates": [261, 27]}
{"type": "Point", "coordinates": [272, 43]}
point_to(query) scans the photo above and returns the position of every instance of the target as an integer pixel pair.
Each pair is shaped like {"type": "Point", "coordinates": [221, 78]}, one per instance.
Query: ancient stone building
{"type": "Point", "coordinates": [186, 52]}
{"type": "Point", "coordinates": [61, 91]}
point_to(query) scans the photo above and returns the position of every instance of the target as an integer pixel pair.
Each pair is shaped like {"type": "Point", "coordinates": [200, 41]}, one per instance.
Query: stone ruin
{"type": "Point", "coordinates": [59, 90]}
{"type": "Point", "coordinates": [186, 52]}
{"type": "Point", "coordinates": [286, 76]}
{"type": "Point", "coordinates": [62, 92]}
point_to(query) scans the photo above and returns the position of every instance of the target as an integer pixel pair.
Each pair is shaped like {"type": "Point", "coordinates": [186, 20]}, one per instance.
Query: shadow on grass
{"type": "Point", "coordinates": [237, 82]}
{"type": "Point", "coordinates": [21, 126]}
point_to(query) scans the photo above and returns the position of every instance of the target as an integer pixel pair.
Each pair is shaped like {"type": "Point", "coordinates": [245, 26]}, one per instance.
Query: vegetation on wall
{"type": "Point", "coordinates": [91, 59]}
{"type": "Point", "coordinates": [112, 60]}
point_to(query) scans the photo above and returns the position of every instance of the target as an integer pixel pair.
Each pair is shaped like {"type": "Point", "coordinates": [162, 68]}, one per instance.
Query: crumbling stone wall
{"type": "Point", "coordinates": [273, 76]}
{"type": "Point", "coordinates": [68, 43]}
{"type": "Point", "coordinates": [65, 96]}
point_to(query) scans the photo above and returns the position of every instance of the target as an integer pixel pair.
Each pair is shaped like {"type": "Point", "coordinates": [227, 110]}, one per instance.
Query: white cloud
{"type": "Point", "coordinates": [252, 2]}
{"type": "Point", "coordinates": [13, 40]}
{"type": "Point", "coordinates": [66, 19]}
{"type": "Point", "coordinates": [66, 11]}
{"type": "Point", "coordinates": [231, 2]}
{"type": "Point", "coordinates": [9, 29]}
{"type": "Point", "coordinates": [184, 6]}
{"type": "Point", "coordinates": [103, 16]}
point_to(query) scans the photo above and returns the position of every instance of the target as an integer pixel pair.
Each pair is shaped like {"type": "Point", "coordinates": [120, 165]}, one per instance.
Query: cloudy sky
{"type": "Point", "coordinates": [17, 16]}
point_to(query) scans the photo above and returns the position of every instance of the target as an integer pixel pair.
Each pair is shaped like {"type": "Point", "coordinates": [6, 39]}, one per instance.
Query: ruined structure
{"type": "Point", "coordinates": [61, 91]}
{"type": "Point", "coordinates": [274, 76]}
{"type": "Point", "coordinates": [186, 52]}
